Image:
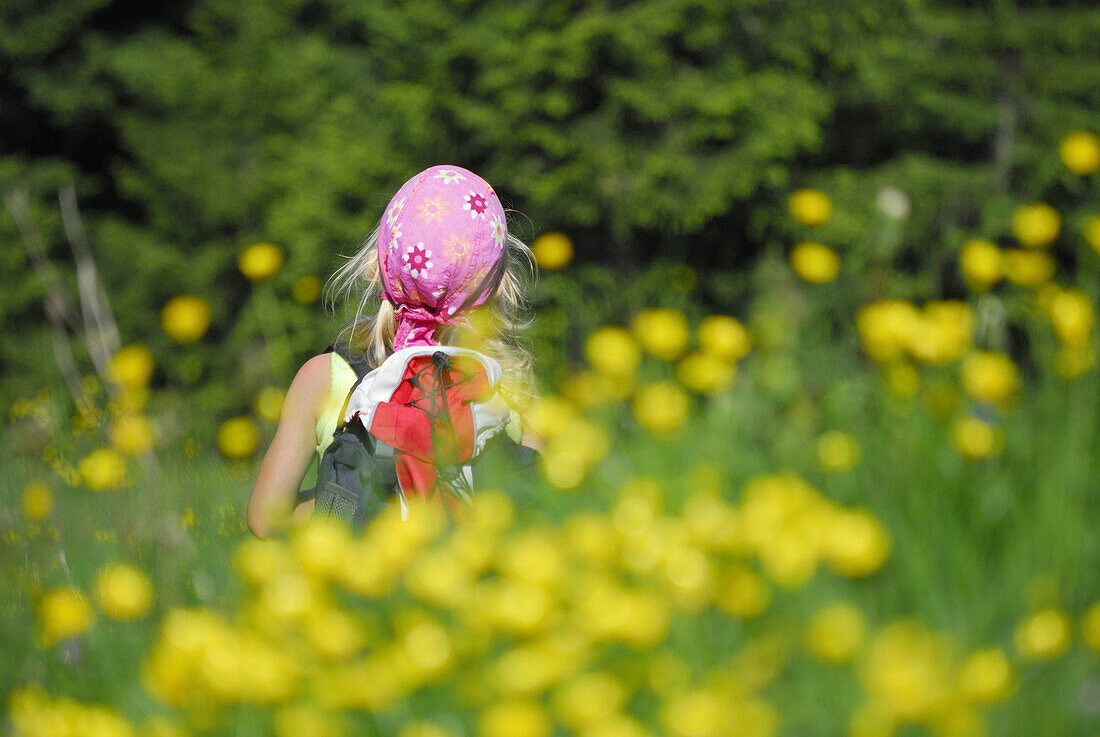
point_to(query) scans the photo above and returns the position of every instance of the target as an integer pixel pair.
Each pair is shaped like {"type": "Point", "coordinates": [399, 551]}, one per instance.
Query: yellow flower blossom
{"type": "Point", "coordinates": [63, 613]}
{"type": "Point", "coordinates": [835, 633]}
{"type": "Point", "coordinates": [885, 328]}
{"type": "Point", "coordinates": [517, 718]}
{"type": "Point", "coordinates": [1072, 315]}
{"type": "Point", "coordinates": [1028, 268]}
{"type": "Point", "coordinates": [37, 501]}
{"type": "Point", "coordinates": [612, 351]}
{"type": "Point", "coordinates": [1090, 627]}
{"type": "Point", "coordinates": [1080, 152]}
{"type": "Point", "coordinates": [132, 434]}
{"type": "Point", "coordinates": [837, 451]}
{"type": "Point", "coordinates": [1092, 232]}
{"type": "Point", "coordinates": [124, 593]}
{"type": "Point", "coordinates": [268, 403]}
{"type": "Point", "coordinates": [661, 332]}
{"type": "Point", "coordinates": [306, 289]}
{"type": "Point", "coordinates": [943, 332]}
{"type": "Point", "coordinates": [857, 544]}
{"type": "Point", "coordinates": [698, 713]}
{"type": "Point", "coordinates": [1044, 635]}
{"type": "Point", "coordinates": [552, 251]}
{"type": "Point", "coordinates": [102, 469]}
{"type": "Point", "coordinates": [986, 676]}
{"type": "Point", "coordinates": [815, 262]}
{"type": "Point", "coordinates": [810, 207]}
{"type": "Point", "coordinates": [260, 261]}
{"type": "Point", "coordinates": [588, 699]}
{"type": "Point", "coordinates": [981, 263]}
{"type": "Point", "coordinates": [1036, 226]}
{"type": "Point", "coordinates": [238, 437]}
{"type": "Point", "coordinates": [974, 438]}
{"type": "Point", "coordinates": [724, 337]}
{"type": "Point", "coordinates": [990, 377]}
{"type": "Point", "coordinates": [131, 366]}
{"type": "Point", "coordinates": [907, 672]}
{"type": "Point", "coordinates": [704, 373]}
{"type": "Point", "coordinates": [185, 318]}
{"type": "Point", "coordinates": [661, 407]}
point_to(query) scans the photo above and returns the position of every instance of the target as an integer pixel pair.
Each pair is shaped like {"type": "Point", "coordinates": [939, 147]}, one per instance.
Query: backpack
{"type": "Point", "coordinates": [414, 389]}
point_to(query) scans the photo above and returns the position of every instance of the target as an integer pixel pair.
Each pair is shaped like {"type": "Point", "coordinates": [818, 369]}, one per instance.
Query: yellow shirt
{"type": "Point", "coordinates": [342, 379]}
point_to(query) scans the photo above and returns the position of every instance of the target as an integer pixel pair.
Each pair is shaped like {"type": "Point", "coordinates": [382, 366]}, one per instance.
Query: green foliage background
{"type": "Point", "coordinates": [656, 130]}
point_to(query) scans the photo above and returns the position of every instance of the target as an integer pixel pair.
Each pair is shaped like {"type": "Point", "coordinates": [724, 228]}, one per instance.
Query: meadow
{"type": "Point", "coordinates": [828, 512]}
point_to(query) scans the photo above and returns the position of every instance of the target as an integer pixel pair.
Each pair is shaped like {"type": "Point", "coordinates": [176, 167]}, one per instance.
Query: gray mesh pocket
{"type": "Point", "coordinates": [336, 502]}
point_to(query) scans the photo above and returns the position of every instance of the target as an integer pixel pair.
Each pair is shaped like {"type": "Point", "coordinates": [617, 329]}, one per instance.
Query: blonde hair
{"type": "Point", "coordinates": [496, 325]}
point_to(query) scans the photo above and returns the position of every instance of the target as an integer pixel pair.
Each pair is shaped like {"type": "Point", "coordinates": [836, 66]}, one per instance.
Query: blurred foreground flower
{"type": "Point", "coordinates": [981, 263]}
{"type": "Point", "coordinates": [836, 633]}
{"type": "Point", "coordinates": [1090, 627]}
{"type": "Point", "coordinates": [986, 676]}
{"type": "Point", "coordinates": [131, 366]}
{"type": "Point", "coordinates": [260, 261]}
{"type": "Point", "coordinates": [1028, 268]}
{"type": "Point", "coordinates": [661, 407]}
{"type": "Point", "coordinates": [185, 318]}
{"type": "Point", "coordinates": [238, 437]}
{"type": "Point", "coordinates": [1043, 635]}
{"type": "Point", "coordinates": [1080, 152]}
{"type": "Point", "coordinates": [724, 337]}
{"type": "Point", "coordinates": [1092, 232]}
{"type": "Point", "coordinates": [306, 289]}
{"type": "Point", "coordinates": [661, 332]}
{"type": "Point", "coordinates": [704, 373]}
{"type": "Point", "coordinates": [552, 251]}
{"type": "Point", "coordinates": [63, 613]}
{"type": "Point", "coordinates": [612, 351]}
{"type": "Point", "coordinates": [102, 469]}
{"type": "Point", "coordinates": [990, 377]}
{"type": "Point", "coordinates": [815, 262]}
{"type": "Point", "coordinates": [1036, 225]}
{"type": "Point", "coordinates": [837, 451]}
{"type": "Point", "coordinates": [268, 403]}
{"type": "Point", "coordinates": [124, 593]}
{"type": "Point", "coordinates": [893, 203]}
{"type": "Point", "coordinates": [974, 438]}
{"type": "Point", "coordinates": [132, 434]}
{"type": "Point", "coordinates": [810, 206]}
{"type": "Point", "coordinates": [37, 501]}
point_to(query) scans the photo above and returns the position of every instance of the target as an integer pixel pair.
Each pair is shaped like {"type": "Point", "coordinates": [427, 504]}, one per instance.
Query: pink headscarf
{"type": "Point", "coordinates": [440, 250]}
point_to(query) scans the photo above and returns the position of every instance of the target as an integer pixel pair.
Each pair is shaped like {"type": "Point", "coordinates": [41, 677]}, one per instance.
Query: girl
{"type": "Point", "coordinates": [441, 249]}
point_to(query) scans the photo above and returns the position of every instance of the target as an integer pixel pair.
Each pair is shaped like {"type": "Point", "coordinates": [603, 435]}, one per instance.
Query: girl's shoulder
{"type": "Point", "coordinates": [310, 386]}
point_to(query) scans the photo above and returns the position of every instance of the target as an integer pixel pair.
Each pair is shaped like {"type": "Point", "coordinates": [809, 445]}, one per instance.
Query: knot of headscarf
{"type": "Point", "coordinates": [440, 251]}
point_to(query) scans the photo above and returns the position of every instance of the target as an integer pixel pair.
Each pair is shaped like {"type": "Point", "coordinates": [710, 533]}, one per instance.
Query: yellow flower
{"type": "Point", "coordinates": [837, 451]}
{"type": "Point", "coordinates": [64, 613]}
{"type": "Point", "coordinates": [697, 713]}
{"type": "Point", "coordinates": [1043, 635]}
{"type": "Point", "coordinates": [986, 676]}
{"type": "Point", "coordinates": [131, 366]}
{"type": "Point", "coordinates": [1080, 152]}
{"type": "Point", "coordinates": [1072, 316]}
{"type": "Point", "coordinates": [743, 593]}
{"type": "Point", "coordinates": [1028, 268]}
{"type": "Point", "coordinates": [1036, 225]}
{"type": "Point", "coordinates": [815, 262]}
{"type": "Point", "coordinates": [307, 720]}
{"type": "Point", "coordinates": [661, 407]}
{"type": "Point", "coordinates": [521, 718]}
{"type": "Point", "coordinates": [1074, 362]}
{"type": "Point", "coordinates": [974, 438]}
{"type": "Point", "coordinates": [612, 351]}
{"type": "Point", "coordinates": [990, 377]}
{"type": "Point", "coordinates": [704, 373]}
{"type": "Point", "coordinates": [37, 501]}
{"type": "Point", "coordinates": [885, 328]}
{"type": "Point", "coordinates": [268, 403]}
{"type": "Point", "coordinates": [835, 633]}
{"type": "Point", "coordinates": [724, 337]}
{"type": "Point", "coordinates": [857, 544]}
{"type": "Point", "coordinates": [102, 469]}
{"type": "Point", "coordinates": [260, 261]}
{"type": "Point", "coordinates": [810, 206]}
{"type": "Point", "coordinates": [661, 332]}
{"type": "Point", "coordinates": [124, 592]}
{"type": "Point", "coordinates": [906, 672]}
{"type": "Point", "coordinates": [238, 437]}
{"type": "Point", "coordinates": [981, 263]}
{"type": "Point", "coordinates": [1092, 232]}
{"type": "Point", "coordinates": [552, 251]}
{"type": "Point", "coordinates": [132, 434]}
{"type": "Point", "coordinates": [943, 332]}
{"type": "Point", "coordinates": [1090, 627]}
{"type": "Point", "coordinates": [185, 318]}
{"type": "Point", "coordinates": [306, 289]}
{"type": "Point", "coordinates": [588, 699]}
